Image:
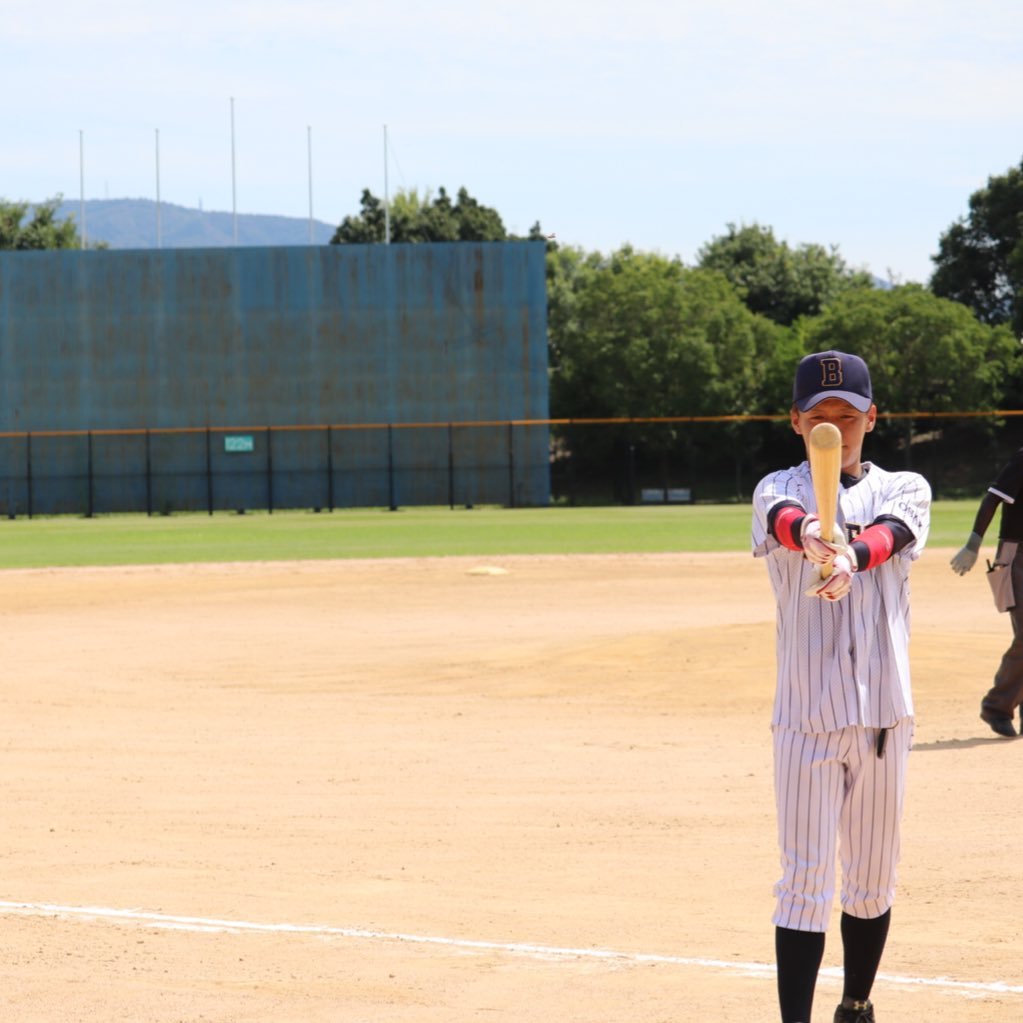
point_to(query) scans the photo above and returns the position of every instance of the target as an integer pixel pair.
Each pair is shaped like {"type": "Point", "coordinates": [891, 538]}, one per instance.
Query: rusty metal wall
{"type": "Point", "coordinates": [270, 337]}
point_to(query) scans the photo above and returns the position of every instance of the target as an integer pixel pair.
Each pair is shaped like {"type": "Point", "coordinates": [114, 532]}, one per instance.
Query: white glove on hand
{"type": "Point", "coordinates": [965, 559]}
{"type": "Point", "coordinates": [838, 584]}
{"type": "Point", "coordinates": [816, 549]}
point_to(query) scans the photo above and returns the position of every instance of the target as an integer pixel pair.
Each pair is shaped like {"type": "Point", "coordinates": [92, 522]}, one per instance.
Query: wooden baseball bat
{"type": "Point", "coordinates": [825, 454]}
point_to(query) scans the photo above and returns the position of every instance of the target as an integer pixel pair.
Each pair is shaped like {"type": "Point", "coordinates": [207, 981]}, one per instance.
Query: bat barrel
{"type": "Point", "coordinates": [825, 454]}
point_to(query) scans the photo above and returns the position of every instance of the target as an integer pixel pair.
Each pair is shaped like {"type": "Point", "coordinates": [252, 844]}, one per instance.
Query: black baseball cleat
{"type": "Point", "coordinates": [998, 723]}
{"type": "Point", "coordinates": [855, 1012]}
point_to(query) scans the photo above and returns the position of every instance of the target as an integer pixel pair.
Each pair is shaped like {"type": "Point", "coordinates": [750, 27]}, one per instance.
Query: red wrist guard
{"type": "Point", "coordinates": [787, 525]}
{"type": "Point", "coordinates": [876, 544]}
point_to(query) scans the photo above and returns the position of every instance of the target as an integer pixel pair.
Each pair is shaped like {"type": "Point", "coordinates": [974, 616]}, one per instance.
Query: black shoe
{"type": "Point", "coordinates": [999, 723]}
{"type": "Point", "coordinates": [855, 1012]}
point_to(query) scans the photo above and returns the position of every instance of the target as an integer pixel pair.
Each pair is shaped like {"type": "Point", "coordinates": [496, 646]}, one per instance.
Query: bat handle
{"type": "Point", "coordinates": [827, 533]}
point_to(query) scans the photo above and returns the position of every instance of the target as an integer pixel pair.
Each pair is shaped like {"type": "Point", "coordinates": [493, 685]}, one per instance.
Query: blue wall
{"type": "Point", "coordinates": [277, 337]}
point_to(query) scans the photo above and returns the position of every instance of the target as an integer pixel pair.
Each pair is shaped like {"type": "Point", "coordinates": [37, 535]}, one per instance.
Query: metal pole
{"type": "Point", "coordinates": [451, 468]}
{"type": "Point", "coordinates": [209, 473]}
{"type": "Point", "coordinates": [234, 193]}
{"type": "Point", "coordinates": [330, 470]}
{"type": "Point", "coordinates": [149, 476]}
{"type": "Point", "coordinates": [269, 472]}
{"type": "Point", "coordinates": [159, 239]}
{"type": "Point", "coordinates": [28, 471]}
{"type": "Point", "coordinates": [390, 468]}
{"type": "Point", "coordinates": [89, 442]}
{"type": "Point", "coordinates": [571, 474]}
{"type": "Point", "coordinates": [387, 199]}
{"type": "Point", "coordinates": [511, 466]}
{"type": "Point", "coordinates": [309, 159]}
{"type": "Point", "coordinates": [81, 185]}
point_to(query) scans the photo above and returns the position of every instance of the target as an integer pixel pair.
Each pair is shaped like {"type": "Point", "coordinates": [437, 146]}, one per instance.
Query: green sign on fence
{"type": "Point", "coordinates": [239, 443]}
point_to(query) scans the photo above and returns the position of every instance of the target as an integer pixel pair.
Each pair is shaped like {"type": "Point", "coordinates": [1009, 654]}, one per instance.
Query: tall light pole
{"type": "Point", "coordinates": [309, 160]}
{"type": "Point", "coordinates": [234, 194]}
{"type": "Point", "coordinates": [387, 200]}
{"type": "Point", "coordinates": [159, 241]}
{"type": "Point", "coordinates": [81, 183]}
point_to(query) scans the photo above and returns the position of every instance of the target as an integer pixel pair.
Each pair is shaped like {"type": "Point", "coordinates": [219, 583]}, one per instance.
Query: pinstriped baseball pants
{"type": "Point", "coordinates": [836, 797]}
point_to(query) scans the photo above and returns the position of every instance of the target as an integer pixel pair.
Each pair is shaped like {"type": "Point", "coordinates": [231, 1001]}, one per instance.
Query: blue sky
{"type": "Point", "coordinates": [862, 125]}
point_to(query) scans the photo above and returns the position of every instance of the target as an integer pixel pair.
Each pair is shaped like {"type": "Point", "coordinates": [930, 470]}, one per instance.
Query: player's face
{"type": "Point", "coordinates": [852, 424]}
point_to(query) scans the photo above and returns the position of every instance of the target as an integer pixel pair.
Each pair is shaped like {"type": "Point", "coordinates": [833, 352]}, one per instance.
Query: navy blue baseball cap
{"type": "Point", "coordinates": [832, 375]}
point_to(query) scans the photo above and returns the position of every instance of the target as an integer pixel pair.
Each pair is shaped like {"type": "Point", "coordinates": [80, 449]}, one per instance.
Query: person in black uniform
{"type": "Point", "coordinates": [1005, 574]}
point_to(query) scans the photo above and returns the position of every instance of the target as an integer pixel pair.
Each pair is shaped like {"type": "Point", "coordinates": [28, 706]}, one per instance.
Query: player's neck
{"type": "Point", "coordinates": [850, 477]}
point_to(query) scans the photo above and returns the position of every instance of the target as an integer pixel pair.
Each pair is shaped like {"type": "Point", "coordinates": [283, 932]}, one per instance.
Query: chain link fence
{"type": "Point", "coordinates": [721, 459]}
{"type": "Point", "coordinates": [508, 463]}
{"type": "Point", "coordinates": [269, 468]}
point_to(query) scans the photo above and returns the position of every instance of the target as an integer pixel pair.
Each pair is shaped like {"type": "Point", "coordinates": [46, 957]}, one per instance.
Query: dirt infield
{"type": "Point", "coordinates": [444, 790]}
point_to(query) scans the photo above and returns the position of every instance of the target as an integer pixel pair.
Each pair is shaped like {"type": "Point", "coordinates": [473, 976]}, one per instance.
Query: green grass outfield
{"type": "Point", "coordinates": [412, 532]}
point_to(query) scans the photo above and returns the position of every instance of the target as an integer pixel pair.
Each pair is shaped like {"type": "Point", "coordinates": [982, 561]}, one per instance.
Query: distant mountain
{"type": "Point", "coordinates": [132, 224]}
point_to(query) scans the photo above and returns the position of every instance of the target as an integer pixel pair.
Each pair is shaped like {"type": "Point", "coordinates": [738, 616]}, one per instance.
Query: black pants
{"type": "Point", "coordinates": [1007, 692]}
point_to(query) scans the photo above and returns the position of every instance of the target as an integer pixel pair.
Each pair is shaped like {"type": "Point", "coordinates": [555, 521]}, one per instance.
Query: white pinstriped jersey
{"type": "Point", "coordinates": [843, 662]}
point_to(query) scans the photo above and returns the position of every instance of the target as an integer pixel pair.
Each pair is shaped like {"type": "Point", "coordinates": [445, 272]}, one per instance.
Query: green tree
{"type": "Point", "coordinates": [424, 218]}
{"type": "Point", "coordinates": [365, 228]}
{"type": "Point", "coordinates": [980, 257]}
{"type": "Point", "coordinates": [24, 226]}
{"type": "Point", "coordinates": [638, 336]}
{"type": "Point", "coordinates": [775, 280]}
{"type": "Point", "coordinates": [927, 355]}
{"type": "Point", "coordinates": [615, 328]}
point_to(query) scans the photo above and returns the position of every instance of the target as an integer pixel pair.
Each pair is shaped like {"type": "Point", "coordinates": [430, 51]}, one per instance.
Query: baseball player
{"type": "Point", "coordinates": [1000, 702]}
{"type": "Point", "coordinates": [843, 708]}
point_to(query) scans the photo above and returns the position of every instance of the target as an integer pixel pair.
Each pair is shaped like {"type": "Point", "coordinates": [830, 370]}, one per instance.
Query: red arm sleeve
{"type": "Point", "coordinates": [874, 546]}
{"type": "Point", "coordinates": [785, 522]}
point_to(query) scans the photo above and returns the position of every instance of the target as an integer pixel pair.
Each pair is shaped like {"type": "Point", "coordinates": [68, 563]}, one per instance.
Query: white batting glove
{"type": "Point", "coordinates": [817, 549]}
{"type": "Point", "coordinates": [966, 558]}
{"type": "Point", "coordinates": [838, 583]}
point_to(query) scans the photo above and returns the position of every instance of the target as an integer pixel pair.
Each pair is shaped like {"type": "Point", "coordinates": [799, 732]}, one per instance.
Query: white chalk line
{"type": "Point", "coordinates": [197, 924]}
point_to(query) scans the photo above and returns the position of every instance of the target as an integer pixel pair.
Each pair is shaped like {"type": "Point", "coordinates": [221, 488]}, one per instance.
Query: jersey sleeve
{"type": "Point", "coordinates": [909, 500]}
{"type": "Point", "coordinates": [787, 485]}
{"type": "Point", "coordinates": [1010, 480]}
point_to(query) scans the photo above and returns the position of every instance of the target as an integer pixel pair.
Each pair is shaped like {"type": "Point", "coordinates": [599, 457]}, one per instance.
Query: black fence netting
{"type": "Point", "coordinates": [509, 463]}
{"type": "Point", "coordinates": [721, 460]}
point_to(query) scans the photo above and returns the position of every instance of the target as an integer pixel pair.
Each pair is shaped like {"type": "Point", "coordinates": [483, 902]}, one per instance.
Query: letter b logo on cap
{"type": "Point", "coordinates": [831, 372]}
